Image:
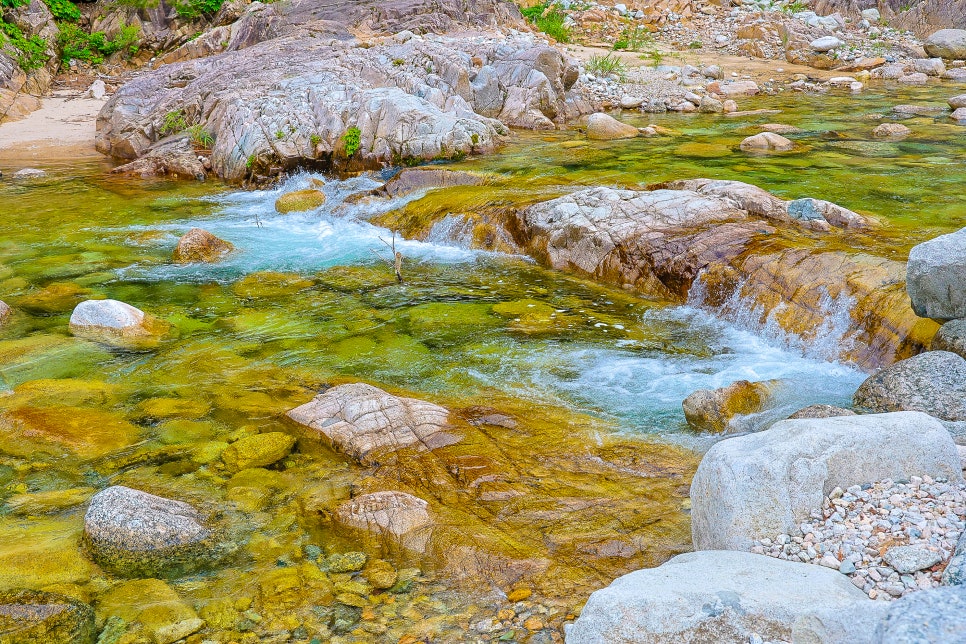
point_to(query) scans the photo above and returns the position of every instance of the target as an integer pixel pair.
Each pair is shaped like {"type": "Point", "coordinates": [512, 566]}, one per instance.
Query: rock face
{"type": "Point", "coordinates": [955, 572]}
{"type": "Point", "coordinates": [172, 156]}
{"type": "Point", "coordinates": [369, 424]}
{"type": "Point", "coordinates": [198, 245]}
{"type": "Point", "coordinates": [28, 616]}
{"type": "Point", "coordinates": [136, 534]}
{"type": "Point", "coordinates": [411, 180]}
{"type": "Point", "coordinates": [935, 615]}
{"type": "Point", "coordinates": [108, 318]}
{"type": "Point", "coordinates": [767, 141]}
{"type": "Point", "coordinates": [947, 43]}
{"type": "Point", "coordinates": [327, 99]}
{"type": "Point", "coordinates": [951, 337]}
{"type": "Point", "coordinates": [603, 127]}
{"type": "Point", "coordinates": [711, 597]}
{"type": "Point", "coordinates": [401, 517]}
{"type": "Point", "coordinates": [936, 277]}
{"type": "Point", "coordinates": [759, 485]}
{"type": "Point", "coordinates": [710, 410]}
{"type": "Point", "coordinates": [299, 201]}
{"type": "Point", "coordinates": [933, 382]}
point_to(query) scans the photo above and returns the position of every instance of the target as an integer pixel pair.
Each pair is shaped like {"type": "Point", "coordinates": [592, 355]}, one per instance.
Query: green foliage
{"type": "Point", "coordinates": [606, 65]}
{"type": "Point", "coordinates": [250, 162]}
{"type": "Point", "coordinates": [475, 138]}
{"type": "Point", "coordinates": [352, 140]}
{"type": "Point", "coordinates": [398, 62]}
{"type": "Point", "coordinates": [92, 48]}
{"type": "Point", "coordinates": [280, 135]}
{"type": "Point", "coordinates": [695, 44]}
{"type": "Point", "coordinates": [191, 9]}
{"type": "Point", "coordinates": [63, 10]}
{"type": "Point", "coordinates": [315, 139]}
{"type": "Point", "coordinates": [173, 123]}
{"type": "Point", "coordinates": [200, 137]}
{"type": "Point", "coordinates": [795, 7]}
{"type": "Point", "coordinates": [635, 39]}
{"type": "Point", "coordinates": [654, 56]}
{"type": "Point", "coordinates": [29, 52]}
{"type": "Point", "coordinates": [549, 20]}
{"type": "Point", "coordinates": [13, 4]}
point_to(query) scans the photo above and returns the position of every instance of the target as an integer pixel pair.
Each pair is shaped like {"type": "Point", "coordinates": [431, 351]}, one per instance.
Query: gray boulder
{"type": "Point", "coordinates": [711, 597]}
{"type": "Point", "coordinates": [935, 616]}
{"type": "Point", "coordinates": [951, 337]}
{"type": "Point", "coordinates": [947, 43]}
{"type": "Point", "coordinates": [933, 382]}
{"type": "Point", "coordinates": [936, 277]}
{"type": "Point", "coordinates": [853, 624]}
{"type": "Point", "coordinates": [112, 321]}
{"type": "Point", "coordinates": [33, 616]}
{"type": "Point", "coordinates": [759, 485]}
{"type": "Point", "coordinates": [136, 534]}
{"type": "Point", "coordinates": [955, 572]}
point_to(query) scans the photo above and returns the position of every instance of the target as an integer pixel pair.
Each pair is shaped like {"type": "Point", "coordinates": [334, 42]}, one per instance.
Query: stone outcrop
{"type": "Point", "coordinates": [936, 277]}
{"type": "Point", "coordinates": [367, 423]}
{"type": "Point", "coordinates": [172, 156]}
{"type": "Point", "coordinates": [198, 245]}
{"type": "Point", "coordinates": [136, 534]}
{"type": "Point", "coordinates": [711, 597]}
{"type": "Point", "coordinates": [711, 410]}
{"type": "Point", "coordinates": [28, 616]}
{"type": "Point", "coordinates": [20, 89]}
{"type": "Point", "coordinates": [920, 16]}
{"type": "Point", "coordinates": [932, 382]}
{"type": "Point", "coordinates": [763, 484]}
{"type": "Point", "coordinates": [308, 92]}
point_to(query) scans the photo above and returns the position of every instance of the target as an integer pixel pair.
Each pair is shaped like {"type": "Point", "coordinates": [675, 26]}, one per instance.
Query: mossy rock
{"type": "Point", "coordinates": [31, 616]}
{"type": "Point", "coordinates": [299, 201]}
{"type": "Point", "coordinates": [163, 408]}
{"type": "Point", "coordinates": [155, 605]}
{"type": "Point", "coordinates": [446, 323]}
{"type": "Point", "coordinates": [89, 433]}
{"type": "Point", "coordinates": [381, 574]}
{"type": "Point", "coordinates": [45, 555]}
{"type": "Point", "coordinates": [270, 284]}
{"type": "Point", "coordinates": [47, 502]}
{"type": "Point", "coordinates": [58, 297]}
{"type": "Point", "coordinates": [348, 562]}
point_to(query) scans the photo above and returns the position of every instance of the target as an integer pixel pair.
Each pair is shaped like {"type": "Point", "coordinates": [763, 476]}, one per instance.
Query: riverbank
{"type": "Point", "coordinates": [62, 129]}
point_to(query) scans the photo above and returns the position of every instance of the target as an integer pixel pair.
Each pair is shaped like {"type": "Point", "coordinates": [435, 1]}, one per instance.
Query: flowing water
{"type": "Point", "coordinates": [588, 370]}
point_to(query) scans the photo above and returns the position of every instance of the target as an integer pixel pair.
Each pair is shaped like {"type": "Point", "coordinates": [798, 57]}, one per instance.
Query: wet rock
{"type": "Point", "coordinates": [164, 616]}
{"type": "Point", "coordinates": [818, 211]}
{"type": "Point", "coordinates": [299, 201]}
{"type": "Point", "coordinates": [258, 451]}
{"type": "Point", "coordinates": [198, 245]}
{"type": "Point", "coordinates": [710, 105]}
{"type": "Point", "coordinates": [909, 559]}
{"type": "Point", "coordinates": [767, 141]}
{"type": "Point", "coordinates": [779, 128]}
{"type": "Point", "coordinates": [99, 319]}
{"type": "Point", "coordinates": [31, 616]}
{"type": "Point", "coordinates": [36, 503]}
{"type": "Point", "coordinates": [133, 533]}
{"type": "Point", "coordinates": [412, 180]}
{"type": "Point", "coordinates": [959, 115]}
{"type": "Point", "coordinates": [711, 596]}
{"type": "Point", "coordinates": [348, 562]}
{"type": "Point", "coordinates": [957, 102]}
{"type": "Point", "coordinates": [402, 518]}
{"type": "Point", "coordinates": [932, 382]}
{"type": "Point", "coordinates": [890, 130]}
{"type": "Point", "coordinates": [821, 411]}
{"type": "Point", "coordinates": [947, 43]}
{"type": "Point", "coordinates": [602, 127]}
{"type": "Point", "coordinates": [935, 615]}
{"type": "Point", "coordinates": [5, 313]}
{"type": "Point", "coordinates": [711, 410]}
{"type": "Point", "coordinates": [936, 277]}
{"type": "Point", "coordinates": [28, 173]}
{"type": "Point", "coordinates": [173, 156]}
{"type": "Point", "coordinates": [951, 337]}
{"type": "Point", "coordinates": [368, 423]}
{"type": "Point", "coordinates": [756, 486]}
{"type": "Point", "coordinates": [380, 574]}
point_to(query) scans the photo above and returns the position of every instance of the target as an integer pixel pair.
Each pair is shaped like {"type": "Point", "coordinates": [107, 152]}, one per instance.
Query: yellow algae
{"type": "Point", "coordinates": [38, 553]}
{"type": "Point", "coordinates": [85, 432]}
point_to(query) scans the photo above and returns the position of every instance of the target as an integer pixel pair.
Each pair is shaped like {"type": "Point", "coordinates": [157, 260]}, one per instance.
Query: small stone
{"type": "Point", "coordinates": [348, 562]}
{"type": "Point", "coordinates": [907, 559]}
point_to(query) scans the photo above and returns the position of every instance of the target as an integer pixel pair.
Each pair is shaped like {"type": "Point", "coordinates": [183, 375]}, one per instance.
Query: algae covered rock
{"type": "Point", "coordinates": [31, 616]}
{"type": "Point", "coordinates": [133, 533]}
{"type": "Point", "coordinates": [113, 322]}
{"type": "Point", "coordinates": [155, 605]}
{"type": "Point", "coordinates": [198, 245]}
{"type": "Point", "coordinates": [933, 382]}
{"type": "Point", "coordinates": [299, 200]}
{"type": "Point", "coordinates": [602, 127]}
{"type": "Point", "coordinates": [258, 451]}
{"type": "Point", "coordinates": [711, 410]}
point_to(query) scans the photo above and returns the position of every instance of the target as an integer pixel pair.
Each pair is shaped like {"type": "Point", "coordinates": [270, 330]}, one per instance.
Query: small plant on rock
{"type": "Point", "coordinates": [352, 139]}
{"type": "Point", "coordinates": [315, 139]}
{"type": "Point", "coordinates": [200, 137]}
{"type": "Point", "coordinates": [606, 65]}
{"type": "Point", "coordinates": [174, 122]}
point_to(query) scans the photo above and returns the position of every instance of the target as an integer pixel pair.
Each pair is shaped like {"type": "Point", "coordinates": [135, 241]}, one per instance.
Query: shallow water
{"type": "Point", "coordinates": [304, 302]}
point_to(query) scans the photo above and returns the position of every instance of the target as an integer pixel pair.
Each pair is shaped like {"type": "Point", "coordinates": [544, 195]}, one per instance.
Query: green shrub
{"type": "Point", "coordinates": [63, 10]}
{"type": "Point", "coordinates": [173, 123]}
{"type": "Point", "coordinates": [635, 39]}
{"type": "Point", "coordinates": [29, 52]}
{"type": "Point", "coordinates": [191, 9]}
{"type": "Point", "coordinates": [606, 65]}
{"type": "Point", "coordinates": [352, 140]}
{"type": "Point", "coordinates": [91, 48]}
{"type": "Point", "coordinates": [13, 4]}
{"type": "Point", "coordinates": [549, 20]}
{"type": "Point", "coordinates": [315, 139]}
{"type": "Point", "coordinates": [200, 137]}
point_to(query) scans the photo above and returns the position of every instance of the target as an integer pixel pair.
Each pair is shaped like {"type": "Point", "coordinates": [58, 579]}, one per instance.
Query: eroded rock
{"type": "Point", "coordinates": [934, 615]}
{"type": "Point", "coordinates": [821, 411]}
{"type": "Point", "coordinates": [401, 517]}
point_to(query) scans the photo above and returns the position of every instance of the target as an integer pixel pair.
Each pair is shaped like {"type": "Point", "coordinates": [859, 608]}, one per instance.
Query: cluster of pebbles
{"type": "Point", "coordinates": [890, 537]}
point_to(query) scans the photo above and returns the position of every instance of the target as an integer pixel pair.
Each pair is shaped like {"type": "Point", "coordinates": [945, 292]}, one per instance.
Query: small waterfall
{"type": "Point", "coordinates": [828, 341]}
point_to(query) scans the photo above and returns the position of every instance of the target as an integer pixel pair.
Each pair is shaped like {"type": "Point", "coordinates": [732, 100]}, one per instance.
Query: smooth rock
{"type": "Point", "coordinates": [710, 105]}
{"type": "Point", "coordinates": [108, 318]}
{"type": "Point", "coordinates": [951, 337]}
{"type": "Point", "coordinates": [198, 245]}
{"type": "Point", "coordinates": [767, 141]}
{"type": "Point", "coordinates": [929, 66]}
{"type": "Point", "coordinates": [410, 180]}
{"type": "Point", "coordinates": [734, 89]}
{"type": "Point", "coordinates": [28, 173]}
{"type": "Point", "coordinates": [260, 450]}
{"type": "Point", "coordinates": [891, 130]}
{"type": "Point", "coordinates": [947, 43]}
{"type": "Point", "coordinates": [854, 623]}
{"type": "Point", "coordinates": [710, 410]}
{"type": "Point", "coordinates": [959, 114]}
{"type": "Point", "coordinates": [759, 485]}
{"type": "Point", "coordinates": [299, 201]}
{"type": "Point", "coordinates": [602, 127]}
{"type": "Point", "coordinates": [825, 44]}
{"type": "Point", "coordinates": [936, 277]}
{"type": "Point", "coordinates": [821, 411]}
{"type": "Point", "coordinates": [97, 90]}
{"type": "Point", "coordinates": [957, 102]}
{"type": "Point", "coordinates": [36, 617]}
{"type": "Point", "coordinates": [398, 516]}
{"type": "Point", "coordinates": [933, 382]}
{"type": "Point", "coordinates": [629, 102]}
{"type": "Point", "coordinates": [711, 597]}
{"type": "Point", "coordinates": [916, 78]}
{"type": "Point", "coordinates": [368, 423]}
{"type": "Point", "coordinates": [133, 533]}
{"type": "Point", "coordinates": [808, 210]}
{"type": "Point", "coordinates": [935, 616]}
{"type": "Point", "coordinates": [909, 559]}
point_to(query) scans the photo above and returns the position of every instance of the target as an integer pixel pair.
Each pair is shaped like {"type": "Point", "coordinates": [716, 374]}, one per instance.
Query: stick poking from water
{"type": "Point", "coordinates": [396, 262]}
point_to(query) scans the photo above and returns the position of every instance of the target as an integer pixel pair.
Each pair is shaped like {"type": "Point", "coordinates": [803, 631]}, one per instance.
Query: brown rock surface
{"type": "Point", "coordinates": [198, 245]}
{"type": "Point", "coordinates": [711, 410]}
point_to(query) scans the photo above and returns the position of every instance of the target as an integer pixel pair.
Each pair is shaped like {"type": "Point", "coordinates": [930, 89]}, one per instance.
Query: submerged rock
{"type": "Point", "coordinates": [759, 485]}
{"type": "Point", "coordinates": [932, 382]}
{"type": "Point", "coordinates": [711, 410]}
{"type": "Point", "coordinates": [33, 616]}
{"type": "Point", "coordinates": [258, 451]}
{"type": "Point", "coordinates": [368, 423]}
{"type": "Point", "coordinates": [767, 141]}
{"type": "Point", "coordinates": [951, 337]}
{"type": "Point", "coordinates": [28, 173]}
{"type": "Point", "coordinates": [155, 605]}
{"type": "Point", "coordinates": [715, 596]}
{"type": "Point", "coordinates": [300, 200]}
{"type": "Point", "coordinates": [936, 277]}
{"type": "Point", "coordinates": [198, 245]}
{"type": "Point", "coordinates": [411, 180]}
{"type": "Point", "coordinates": [891, 130]}
{"type": "Point", "coordinates": [401, 517]}
{"type": "Point", "coordinates": [602, 127]}
{"type": "Point", "coordinates": [133, 533]}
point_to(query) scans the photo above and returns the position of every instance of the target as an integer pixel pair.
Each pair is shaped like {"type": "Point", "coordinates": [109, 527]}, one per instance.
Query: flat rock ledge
{"type": "Point", "coordinates": [136, 534]}
{"type": "Point", "coordinates": [756, 486]}
{"type": "Point", "coordinates": [720, 596]}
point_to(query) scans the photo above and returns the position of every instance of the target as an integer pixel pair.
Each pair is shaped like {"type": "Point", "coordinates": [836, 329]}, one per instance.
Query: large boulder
{"type": "Point", "coordinates": [711, 597]}
{"type": "Point", "coordinates": [951, 337]}
{"type": "Point", "coordinates": [603, 127]}
{"type": "Point", "coordinates": [933, 382]}
{"type": "Point", "coordinates": [935, 616]}
{"type": "Point", "coordinates": [936, 277]}
{"type": "Point", "coordinates": [756, 486]}
{"type": "Point", "coordinates": [198, 245]}
{"type": "Point", "coordinates": [711, 410]}
{"type": "Point", "coordinates": [370, 424]}
{"type": "Point", "coordinates": [947, 43]}
{"type": "Point", "coordinates": [29, 616]}
{"type": "Point", "coordinates": [111, 321]}
{"type": "Point", "coordinates": [136, 534]}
